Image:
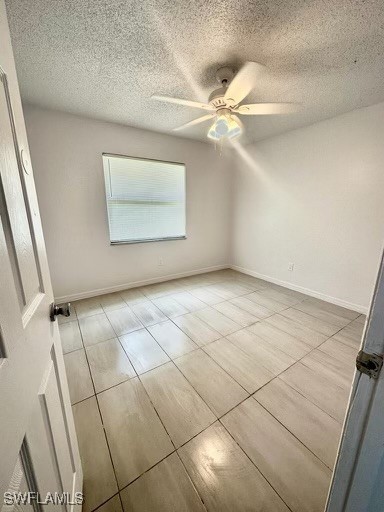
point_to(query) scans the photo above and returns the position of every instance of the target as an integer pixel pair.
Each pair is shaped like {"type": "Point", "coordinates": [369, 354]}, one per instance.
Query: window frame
{"type": "Point", "coordinates": [145, 240]}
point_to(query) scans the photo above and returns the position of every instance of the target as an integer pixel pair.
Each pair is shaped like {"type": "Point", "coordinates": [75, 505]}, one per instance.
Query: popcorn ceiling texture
{"type": "Point", "coordinates": [105, 58]}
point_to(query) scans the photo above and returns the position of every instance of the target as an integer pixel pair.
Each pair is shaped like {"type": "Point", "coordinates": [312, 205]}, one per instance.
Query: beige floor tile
{"type": "Point", "coordinates": [256, 310]}
{"type": "Point", "coordinates": [297, 330]}
{"type": "Point", "coordinates": [112, 505]}
{"type": "Point", "coordinates": [70, 336]}
{"type": "Point", "coordinates": [154, 291]}
{"type": "Point", "coordinates": [361, 319]}
{"type": "Point", "coordinates": [143, 351]}
{"type": "Point", "coordinates": [180, 408]}
{"type": "Point", "coordinates": [136, 437]}
{"type": "Point", "coordinates": [232, 289]}
{"type": "Point", "coordinates": [241, 288]}
{"type": "Point", "coordinates": [224, 476]}
{"type": "Point", "coordinates": [312, 426]}
{"type": "Point", "coordinates": [223, 291]}
{"type": "Point", "coordinates": [124, 321]}
{"type": "Point", "coordinates": [164, 488]}
{"type": "Point", "coordinates": [170, 307]}
{"type": "Point", "coordinates": [280, 339]}
{"type": "Point", "coordinates": [244, 368]}
{"type": "Point", "coordinates": [213, 384]}
{"type": "Point", "coordinates": [133, 296]}
{"type": "Point", "coordinates": [112, 301]}
{"type": "Point", "coordinates": [198, 281]}
{"type": "Point", "coordinates": [321, 314]}
{"type": "Point", "coordinates": [148, 313]}
{"type": "Point", "coordinates": [287, 291]}
{"type": "Point", "coordinates": [87, 307]}
{"type": "Point", "coordinates": [339, 372]}
{"type": "Point", "coordinates": [281, 296]}
{"type": "Point", "coordinates": [253, 282]}
{"type": "Point", "coordinates": [79, 378]}
{"type": "Point", "coordinates": [196, 329]}
{"type": "Point", "coordinates": [109, 364]}
{"type": "Point", "coordinates": [347, 340]}
{"type": "Point", "coordinates": [217, 321]}
{"type": "Point", "coordinates": [172, 339]}
{"type": "Point", "coordinates": [294, 472]}
{"type": "Point", "coordinates": [333, 308]}
{"type": "Point", "coordinates": [339, 350]}
{"type": "Point", "coordinates": [95, 328]}
{"type": "Point", "coordinates": [358, 325]}
{"type": "Point", "coordinates": [310, 321]}
{"type": "Point", "coordinates": [272, 358]}
{"type": "Point", "coordinates": [190, 302]}
{"type": "Point", "coordinates": [351, 335]}
{"type": "Point", "coordinates": [238, 315]}
{"type": "Point", "coordinates": [206, 295]}
{"type": "Point", "coordinates": [99, 479]}
{"type": "Point", "coordinates": [331, 398]}
{"type": "Point", "coordinates": [267, 302]}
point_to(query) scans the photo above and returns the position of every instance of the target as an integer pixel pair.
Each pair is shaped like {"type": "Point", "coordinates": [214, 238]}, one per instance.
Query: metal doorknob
{"type": "Point", "coordinates": [59, 309]}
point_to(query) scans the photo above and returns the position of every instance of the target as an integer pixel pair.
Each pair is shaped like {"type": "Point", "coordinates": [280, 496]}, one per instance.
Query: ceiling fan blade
{"type": "Point", "coordinates": [195, 121]}
{"type": "Point", "coordinates": [261, 109]}
{"type": "Point", "coordinates": [243, 82]}
{"type": "Point", "coordinates": [180, 101]}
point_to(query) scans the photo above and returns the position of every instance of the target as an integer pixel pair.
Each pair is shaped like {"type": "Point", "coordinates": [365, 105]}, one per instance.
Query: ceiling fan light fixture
{"type": "Point", "coordinates": [225, 126]}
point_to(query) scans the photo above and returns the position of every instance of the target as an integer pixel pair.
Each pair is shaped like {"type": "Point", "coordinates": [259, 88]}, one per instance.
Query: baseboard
{"type": "Point", "coordinates": [318, 295]}
{"type": "Point", "coordinates": [136, 284]}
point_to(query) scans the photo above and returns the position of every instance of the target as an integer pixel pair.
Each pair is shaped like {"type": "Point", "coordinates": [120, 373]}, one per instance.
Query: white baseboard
{"type": "Point", "coordinates": [135, 284]}
{"type": "Point", "coordinates": [318, 295]}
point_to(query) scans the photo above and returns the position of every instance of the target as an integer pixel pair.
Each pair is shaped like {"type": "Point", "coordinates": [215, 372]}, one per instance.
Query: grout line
{"type": "Point", "coordinates": [173, 444]}
{"type": "Point", "coordinates": [190, 478]}
{"type": "Point", "coordinates": [104, 502]}
{"type": "Point", "coordinates": [249, 458]}
{"type": "Point", "coordinates": [147, 470]}
{"type": "Point", "coordinates": [292, 433]}
{"type": "Point", "coordinates": [299, 361]}
{"type": "Point", "coordinates": [99, 410]}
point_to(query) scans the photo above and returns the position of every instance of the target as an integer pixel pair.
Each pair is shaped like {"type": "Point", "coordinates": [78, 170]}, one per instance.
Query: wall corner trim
{"type": "Point", "coordinates": [312, 293]}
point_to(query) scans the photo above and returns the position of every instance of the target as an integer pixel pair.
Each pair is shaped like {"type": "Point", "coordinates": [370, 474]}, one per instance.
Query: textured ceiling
{"type": "Point", "coordinates": [105, 58]}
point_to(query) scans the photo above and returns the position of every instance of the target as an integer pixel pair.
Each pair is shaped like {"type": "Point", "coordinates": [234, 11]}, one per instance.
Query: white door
{"type": "Point", "coordinates": [358, 479]}
{"type": "Point", "coordinates": [38, 446]}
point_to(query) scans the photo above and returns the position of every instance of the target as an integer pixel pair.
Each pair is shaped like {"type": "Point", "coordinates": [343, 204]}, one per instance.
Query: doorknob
{"type": "Point", "coordinates": [59, 309]}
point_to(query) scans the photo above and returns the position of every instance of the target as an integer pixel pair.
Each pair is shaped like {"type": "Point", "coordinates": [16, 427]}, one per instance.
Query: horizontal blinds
{"type": "Point", "coordinates": [145, 199]}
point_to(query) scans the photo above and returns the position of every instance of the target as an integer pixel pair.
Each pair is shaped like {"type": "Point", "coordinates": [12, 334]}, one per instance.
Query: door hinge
{"type": "Point", "coordinates": [370, 364]}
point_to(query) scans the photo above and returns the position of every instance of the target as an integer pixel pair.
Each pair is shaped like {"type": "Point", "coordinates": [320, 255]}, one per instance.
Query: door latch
{"type": "Point", "coordinates": [370, 364]}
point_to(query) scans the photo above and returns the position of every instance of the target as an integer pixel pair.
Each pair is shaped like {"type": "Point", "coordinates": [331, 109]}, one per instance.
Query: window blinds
{"type": "Point", "coordinates": [145, 199]}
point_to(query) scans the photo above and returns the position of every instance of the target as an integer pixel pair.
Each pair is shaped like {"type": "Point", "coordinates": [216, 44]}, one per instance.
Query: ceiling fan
{"type": "Point", "coordinates": [224, 103]}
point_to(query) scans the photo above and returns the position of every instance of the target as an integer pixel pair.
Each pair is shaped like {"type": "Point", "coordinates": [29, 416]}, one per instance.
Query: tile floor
{"type": "Point", "coordinates": [217, 392]}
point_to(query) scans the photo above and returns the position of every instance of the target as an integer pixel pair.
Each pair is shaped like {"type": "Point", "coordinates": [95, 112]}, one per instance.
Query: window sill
{"type": "Point", "coordinates": [124, 242]}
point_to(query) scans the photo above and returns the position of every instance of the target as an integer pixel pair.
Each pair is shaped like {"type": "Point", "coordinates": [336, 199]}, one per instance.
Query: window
{"type": "Point", "coordinates": [145, 199]}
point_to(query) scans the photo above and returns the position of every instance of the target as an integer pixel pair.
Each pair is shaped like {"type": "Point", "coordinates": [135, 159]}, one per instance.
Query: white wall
{"type": "Point", "coordinates": [315, 197]}
{"type": "Point", "coordinates": [66, 156]}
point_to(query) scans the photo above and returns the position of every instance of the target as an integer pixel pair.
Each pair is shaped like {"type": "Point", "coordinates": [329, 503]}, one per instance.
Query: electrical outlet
{"type": "Point", "coordinates": [291, 266]}
{"type": "Point", "coordinates": [160, 262]}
